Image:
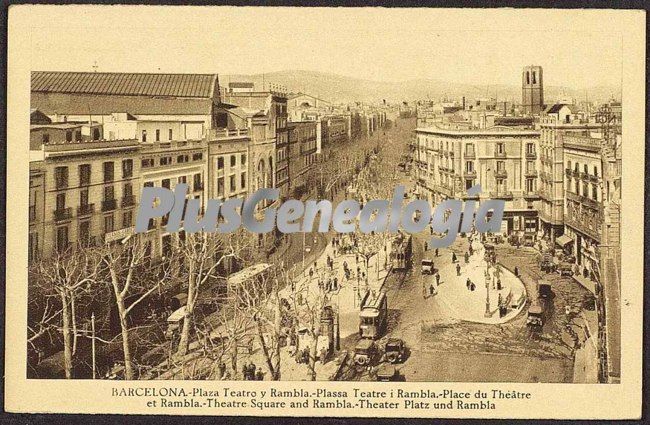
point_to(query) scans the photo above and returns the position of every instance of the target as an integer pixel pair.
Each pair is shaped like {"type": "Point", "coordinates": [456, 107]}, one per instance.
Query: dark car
{"type": "Point", "coordinates": [387, 372]}
{"type": "Point", "coordinates": [364, 352]}
{"type": "Point", "coordinates": [394, 350]}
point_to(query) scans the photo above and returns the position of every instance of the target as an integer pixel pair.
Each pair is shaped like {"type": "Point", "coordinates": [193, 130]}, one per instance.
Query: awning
{"type": "Point", "coordinates": [563, 240]}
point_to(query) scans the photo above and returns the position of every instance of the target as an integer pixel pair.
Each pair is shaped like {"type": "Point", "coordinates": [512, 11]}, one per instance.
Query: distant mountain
{"type": "Point", "coordinates": [338, 88]}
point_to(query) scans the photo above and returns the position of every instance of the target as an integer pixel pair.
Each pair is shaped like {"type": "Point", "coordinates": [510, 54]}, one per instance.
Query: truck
{"type": "Point", "coordinates": [539, 309]}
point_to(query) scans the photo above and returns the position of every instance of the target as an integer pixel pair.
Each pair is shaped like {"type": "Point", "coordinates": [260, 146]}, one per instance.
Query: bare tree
{"type": "Point", "coordinates": [133, 277]}
{"type": "Point", "coordinates": [67, 276]}
{"type": "Point", "coordinates": [202, 255]}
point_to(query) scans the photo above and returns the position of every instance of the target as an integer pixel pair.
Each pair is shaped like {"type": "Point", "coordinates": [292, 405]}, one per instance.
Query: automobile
{"type": "Point", "coordinates": [427, 266]}
{"type": "Point", "coordinates": [364, 351]}
{"type": "Point", "coordinates": [544, 290]}
{"type": "Point", "coordinates": [394, 350]}
{"type": "Point", "coordinates": [535, 319]}
{"type": "Point", "coordinates": [547, 264]}
{"type": "Point", "coordinates": [529, 239]}
{"type": "Point", "coordinates": [387, 372]}
{"type": "Point", "coordinates": [565, 269]}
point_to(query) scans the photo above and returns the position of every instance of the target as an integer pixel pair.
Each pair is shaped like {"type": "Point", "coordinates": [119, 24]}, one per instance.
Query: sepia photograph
{"type": "Point", "coordinates": [228, 194]}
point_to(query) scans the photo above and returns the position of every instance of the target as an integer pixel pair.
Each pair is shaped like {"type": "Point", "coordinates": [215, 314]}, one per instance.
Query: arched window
{"type": "Point", "coordinates": [96, 134]}
{"type": "Point", "coordinates": [527, 77]}
{"type": "Point", "coordinates": [534, 79]}
{"type": "Point", "coordinates": [595, 171]}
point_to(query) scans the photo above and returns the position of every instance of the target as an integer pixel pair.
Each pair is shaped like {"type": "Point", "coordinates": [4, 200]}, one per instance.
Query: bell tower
{"type": "Point", "coordinates": [532, 90]}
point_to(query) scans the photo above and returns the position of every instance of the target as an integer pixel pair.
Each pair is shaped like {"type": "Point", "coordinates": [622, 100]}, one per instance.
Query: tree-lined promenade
{"type": "Point", "coordinates": [106, 308]}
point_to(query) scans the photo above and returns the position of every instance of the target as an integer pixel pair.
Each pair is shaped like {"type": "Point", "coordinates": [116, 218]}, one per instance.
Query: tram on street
{"type": "Point", "coordinates": [401, 251]}
{"type": "Point", "coordinates": [373, 316]}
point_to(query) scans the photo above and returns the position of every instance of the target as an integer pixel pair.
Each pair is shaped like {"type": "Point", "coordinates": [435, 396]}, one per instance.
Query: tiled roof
{"type": "Point", "coordinates": [126, 84]}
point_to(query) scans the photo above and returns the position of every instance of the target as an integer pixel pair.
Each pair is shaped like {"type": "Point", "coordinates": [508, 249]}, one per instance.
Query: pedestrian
{"type": "Point", "coordinates": [426, 245]}
{"type": "Point", "coordinates": [466, 258]}
{"type": "Point", "coordinates": [453, 257]}
{"type": "Point", "coordinates": [345, 266]}
{"type": "Point", "coordinates": [259, 375]}
{"type": "Point", "coordinates": [471, 250]}
{"type": "Point", "coordinates": [357, 258]}
{"type": "Point", "coordinates": [436, 252]}
{"type": "Point", "coordinates": [516, 271]}
{"type": "Point", "coordinates": [431, 289]}
{"type": "Point", "coordinates": [468, 283]}
{"type": "Point", "coordinates": [472, 287]}
{"type": "Point", "coordinates": [244, 372]}
{"type": "Point", "coordinates": [457, 269]}
{"type": "Point", "coordinates": [499, 284]}
{"type": "Point", "coordinates": [336, 283]}
{"type": "Point", "coordinates": [438, 279]}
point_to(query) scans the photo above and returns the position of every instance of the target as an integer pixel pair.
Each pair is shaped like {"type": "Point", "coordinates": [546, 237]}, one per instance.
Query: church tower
{"type": "Point", "coordinates": [532, 93]}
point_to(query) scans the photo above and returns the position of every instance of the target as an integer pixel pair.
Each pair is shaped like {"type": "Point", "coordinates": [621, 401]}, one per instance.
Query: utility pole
{"type": "Point", "coordinates": [92, 327]}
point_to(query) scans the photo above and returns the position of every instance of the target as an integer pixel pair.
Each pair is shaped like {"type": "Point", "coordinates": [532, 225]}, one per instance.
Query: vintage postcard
{"type": "Point", "coordinates": [325, 211]}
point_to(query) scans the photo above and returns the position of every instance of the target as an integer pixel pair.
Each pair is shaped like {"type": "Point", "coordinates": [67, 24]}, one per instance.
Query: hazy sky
{"type": "Point", "coordinates": [576, 48]}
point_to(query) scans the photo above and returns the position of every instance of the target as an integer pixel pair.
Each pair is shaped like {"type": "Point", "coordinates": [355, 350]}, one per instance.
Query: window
{"type": "Point", "coordinates": [530, 185]}
{"type": "Point", "coordinates": [197, 182]}
{"type": "Point", "coordinates": [197, 156]}
{"type": "Point", "coordinates": [243, 159]}
{"type": "Point", "coordinates": [585, 190]}
{"type": "Point", "coordinates": [127, 168]}
{"type": "Point", "coordinates": [46, 138]}
{"type": "Point", "coordinates": [170, 136]}
{"type": "Point", "coordinates": [166, 183]}
{"type": "Point", "coordinates": [84, 174]}
{"type": "Point", "coordinates": [501, 166]}
{"type": "Point", "coordinates": [60, 201]}
{"type": "Point", "coordinates": [166, 160]}
{"type": "Point", "coordinates": [108, 171]}
{"type": "Point", "coordinates": [500, 148]}
{"type": "Point", "coordinates": [109, 224]}
{"type": "Point", "coordinates": [61, 177]}
{"type": "Point", "coordinates": [530, 148]}
{"type": "Point", "coordinates": [77, 136]}
{"type": "Point", "coordinates": [469, 149]}
{"type": "Point", "coordinates": [233, 183]}
{"type": "Point", "coordinates": [527, 77]}
{"type": "Point", "coordinates": [586, 169]}
{"type": "Point", "coordinates": [595, 171]}
{"type": "Point", "coordinates": [220, 163]}
{"type": "Point", "coordinates": [233, 160]}
{"type": "Point", "coordinates": [127, 219]}
{"type": "Point", "coordinates": [144, 136]}
{"type": "Point", "coordinates": [220, 187]}
{"type": "Point", "coordinates": [534, 77]}
{"type": "Point", "coordinates": [469, 166]}
{"type": "Point", "coordinates": [530, 166]}
{"type": "Point", "coordinates": [33, 247]}
{"type": "Point", "coordinates": [147, 162]}
{"type": "Point", "coordinates": [68, 136]}
{"type": "Point", "coordinates": [180, 159]}
{"type": "Point", "coordinates": [594, 192]}
{"type": "Point", "coordinates": [568, 165]}
{"type": "Point", "coordinates": [128, 190]}
{"type": "Point", "coordinates": [157, 135]}
{"type": "Point", "coordinates": [83, 197]}
{"type": "Point", "coordinates": [577, 188]}
{"type": "Point", "coordinates": [148, 184]}
{"type": "Point", "coordinates": [84, 232]}
{"type": "Point", "coordinates": [243, 180]}
{"type": "Point", "coordinates": [500, 184]}
{"type": "Point", "coordinates": [109, 193]}
{"type": "Point", "coordinates": [96, 134]}
{"type": "Point", "coordinates": [61, 239]}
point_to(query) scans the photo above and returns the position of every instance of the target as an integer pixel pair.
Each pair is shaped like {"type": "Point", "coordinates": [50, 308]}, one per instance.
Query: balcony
{"type": "Point", "coordinates": [128, 201]}
{"type": "Point", "coordinates": [87, 209]}
{"type": "Point", "coordinates": [501, 194]}
{"type": "Point", "coordinates": [470, 155]}
{"type": "Point", "coordinates": [593, 178]}
{"type": "Point", "coordinates": [575, 173]}
{"type": "Point", "coordinates": [63, 214]}
{"type": "Point", "coordinates": [584, 176]}
{"type": "Point", "coordinates": [591, 203]}
{"type": "Point", "coordinates": [531, 155]}
{"type": "Point", "coordinates": [501, 174]}
{"type": "Point", "coordinates": [568, 172]}
{"type": "Point", "coordinates": [531, 173]}
{"type": "Point", "coordinates": [469, 174]}
{"type": "Point", "coordinates": [531, 195]}
{"type": "Point", "coordinates": [501, 154]}
{"type": "Point", "coordinates": [109, 205]}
